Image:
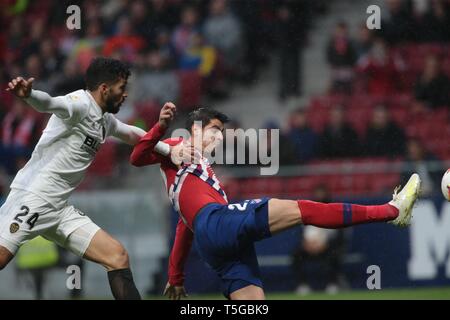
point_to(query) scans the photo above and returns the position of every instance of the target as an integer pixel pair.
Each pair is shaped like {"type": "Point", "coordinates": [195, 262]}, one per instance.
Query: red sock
{"type": "Point", "coordinates": [337, 215]}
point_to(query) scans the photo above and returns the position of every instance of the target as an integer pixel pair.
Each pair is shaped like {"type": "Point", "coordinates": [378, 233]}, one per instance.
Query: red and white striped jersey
{"type": "Point", "coordinates": [191, 187]}
{"type": "Point", "coordinates": [199, 176]}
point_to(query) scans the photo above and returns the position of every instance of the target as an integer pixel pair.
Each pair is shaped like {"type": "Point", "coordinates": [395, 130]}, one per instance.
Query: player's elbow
{"type": "Point", "coordinates": [138, 158]}
{"type": "Point", "coordinates": [135, 160]}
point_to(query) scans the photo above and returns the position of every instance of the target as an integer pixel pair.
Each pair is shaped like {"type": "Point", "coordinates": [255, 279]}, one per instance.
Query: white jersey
{"type": "Point", "coordinates": [67, 147]}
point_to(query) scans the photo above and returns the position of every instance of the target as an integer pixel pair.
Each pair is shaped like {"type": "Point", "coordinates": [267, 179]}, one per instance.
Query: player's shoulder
{"type": "Point", "coordinates": [79, 97]}
{"type": "Point", "coordinates": [79, 101]}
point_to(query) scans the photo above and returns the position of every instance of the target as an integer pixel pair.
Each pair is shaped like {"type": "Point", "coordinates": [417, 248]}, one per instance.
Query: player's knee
{"type": "Point", "coordinates": [119, 259]}
{"type": "Point", "coordinates": [4, 260]}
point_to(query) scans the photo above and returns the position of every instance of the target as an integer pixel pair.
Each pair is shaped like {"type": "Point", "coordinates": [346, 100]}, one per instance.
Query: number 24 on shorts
{"type": "Point", "coordinates": [24, 212]}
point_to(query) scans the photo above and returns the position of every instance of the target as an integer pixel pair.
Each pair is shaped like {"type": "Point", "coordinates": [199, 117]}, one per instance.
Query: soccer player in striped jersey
{"type": "Point", "coordinates": [225, 233]}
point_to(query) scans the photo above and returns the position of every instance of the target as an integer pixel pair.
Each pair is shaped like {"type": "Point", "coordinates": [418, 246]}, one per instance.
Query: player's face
{"type": "Point", "coordinates": [116, 96]}
{"type": "Point", "coordinates": [212, 135]}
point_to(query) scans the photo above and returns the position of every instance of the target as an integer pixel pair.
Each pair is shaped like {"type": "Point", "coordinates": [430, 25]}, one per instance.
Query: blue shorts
{"type": "Point", "coordinates": [224, 236]}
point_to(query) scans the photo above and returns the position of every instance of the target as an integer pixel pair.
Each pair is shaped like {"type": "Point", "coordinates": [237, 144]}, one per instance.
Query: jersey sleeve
{"type": "Point", "coordinates": [179, 254]}
{"type": "Point", "coordinates": [125, 132]}
{"type": "Point", "coordinates": [70, 108]}
{"type": "Point", "coordinates": [144, 152]}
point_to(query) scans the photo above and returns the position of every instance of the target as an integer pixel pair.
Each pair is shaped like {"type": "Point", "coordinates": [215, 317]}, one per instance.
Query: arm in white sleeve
{"type": "Point", "coordinates": [131, 135]}
{"type": "Point", "coordinates": [63, 106]}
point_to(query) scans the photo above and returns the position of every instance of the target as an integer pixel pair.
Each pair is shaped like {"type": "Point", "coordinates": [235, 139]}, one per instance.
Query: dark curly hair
{"type": "Point", "coordinates": [105, 70]}
{"type": "Point", "coordinates": [205, 115]}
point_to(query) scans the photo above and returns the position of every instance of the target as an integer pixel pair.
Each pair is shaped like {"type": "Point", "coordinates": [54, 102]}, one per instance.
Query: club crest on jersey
{"type": "Point", "coordinates": [14, 227]}
{"type": "Point", "coordinates": [91, 145]}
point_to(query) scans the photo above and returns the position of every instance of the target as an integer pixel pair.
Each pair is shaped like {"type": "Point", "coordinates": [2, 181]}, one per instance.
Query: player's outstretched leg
{"type": "Point", "coordinates": [284, 214]}
{"type": "Point", "coordinates": [110, 253]}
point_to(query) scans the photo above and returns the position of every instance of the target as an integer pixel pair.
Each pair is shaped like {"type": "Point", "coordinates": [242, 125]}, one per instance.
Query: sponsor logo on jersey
{"type": "Point", "coordinates": [91, 145]}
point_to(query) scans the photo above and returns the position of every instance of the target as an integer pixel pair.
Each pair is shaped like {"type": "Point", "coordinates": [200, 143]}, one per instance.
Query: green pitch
{"type": "Point", "coordinates": [442, 293]}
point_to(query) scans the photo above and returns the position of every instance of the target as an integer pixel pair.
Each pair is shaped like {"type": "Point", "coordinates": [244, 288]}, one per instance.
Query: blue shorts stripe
{"type": "Point", "coordinates": [347, 213]}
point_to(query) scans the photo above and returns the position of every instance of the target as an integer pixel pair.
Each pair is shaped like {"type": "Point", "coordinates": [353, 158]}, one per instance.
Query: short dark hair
{"type": "Point", "coordinates": [105, 70]}
{"type": "Point", "coordinates": [205, 115]}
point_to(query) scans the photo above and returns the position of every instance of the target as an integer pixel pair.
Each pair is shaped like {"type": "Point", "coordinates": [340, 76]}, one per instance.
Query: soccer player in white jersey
{"type": "Point", "coordinates": [37, 203]}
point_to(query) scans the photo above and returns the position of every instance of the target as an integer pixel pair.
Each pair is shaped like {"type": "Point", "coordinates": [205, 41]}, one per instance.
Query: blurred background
{"type": "Point", "coordinates": [358, 110]}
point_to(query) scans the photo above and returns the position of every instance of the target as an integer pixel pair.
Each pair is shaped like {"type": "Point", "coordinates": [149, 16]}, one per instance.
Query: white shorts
{"type": "Point", "coordinates": [24, 216]}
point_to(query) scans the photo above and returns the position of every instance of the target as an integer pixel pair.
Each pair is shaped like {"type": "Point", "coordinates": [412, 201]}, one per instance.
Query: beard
{"type": "Point", "coordinates": [113, 105]}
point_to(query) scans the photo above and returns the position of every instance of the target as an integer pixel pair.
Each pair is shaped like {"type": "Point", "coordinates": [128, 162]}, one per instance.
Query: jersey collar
{"type": "Point", "coordinates": [97, 110]}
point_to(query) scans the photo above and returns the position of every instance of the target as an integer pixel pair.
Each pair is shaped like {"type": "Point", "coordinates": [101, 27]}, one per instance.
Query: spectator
{"type": "Point", "coordinates": [33, 43]}
{"type": "Point", "coordinates": [339, 139]}
{"type": "Point", "coordinates": [302, 137]}
{"type": "Point", "coordinates": [139, 18]}
{"type": "Point", "coordinates": [255, 33]}
{"type": "Point", "coordinates": [432, 89]}
{"type": "Point", "coordinates": [37, 257]}
{"type": "Point", "coordinates": [341, 55]}
{"type": "Point", "coordinates": [436, 22]}
{"type": "Point", "coordinates": [290, 39]}
{"type": "Point", "coordinates": [223, 31]}
{"type": "Point", "coordinates": [400, 27]}
{"type": "Point", "coordinates": [183, 34]}
{"type": "Point", "coordinates": [381, 70]}
{"type": "Point", "coordinates": [19, 135]}
{"type": "Point", "coordinates": [364, 41]}
{"type": "Point", "coordinates": [199, 56]}
{"type": "Point", "coordinates": [419, 160]}
{"type": "Point", "coordinates": [34, 68]}
{"type": "Point", "coordinates": [163, 14]}
{"type": "Point", "coordinates": [125, 44]}
{"type": "Point", "coordinates": [51, 58]}
{"type": "Point", "coordinates": [52, 61]}
{"type": "Point", "coordinates": [91, 45]}
{"type": "Point", "coordinates": [70, 80]}
{"type": "Point", "coordinates": [156, 82]}
{"type": "Point", "coordinates": [164, 45]}
{"type": "Point", "coordinates": [384, 137]}
{"type": "Point", "coordinates": [317, 262]}
{"type": "Point", "coordinates": [286, 149]}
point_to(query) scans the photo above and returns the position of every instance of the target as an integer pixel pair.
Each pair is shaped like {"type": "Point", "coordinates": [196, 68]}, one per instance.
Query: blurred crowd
{"type": "Point", "coordinates": [389, 92]}
{"type": "Point", "coordinates": [199, 50]}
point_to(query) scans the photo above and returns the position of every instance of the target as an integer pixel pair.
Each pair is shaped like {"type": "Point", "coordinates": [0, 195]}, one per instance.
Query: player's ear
{"type": "Point", "coordinates": [104, 88]}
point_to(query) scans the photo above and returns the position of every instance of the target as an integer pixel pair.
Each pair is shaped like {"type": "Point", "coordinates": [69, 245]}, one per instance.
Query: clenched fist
{"type": "Point", "coordinates": [167, 114]}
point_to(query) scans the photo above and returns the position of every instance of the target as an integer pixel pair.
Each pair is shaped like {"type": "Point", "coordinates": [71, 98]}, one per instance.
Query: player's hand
{"type": "Point", "coordinates": [167, 114]}
{"type": "Point", "coordinates": [20, 87]}
{"type": "Point", "coordinates": [175, 292]}
{"type": "Point", "coordinates": [184, 152]}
